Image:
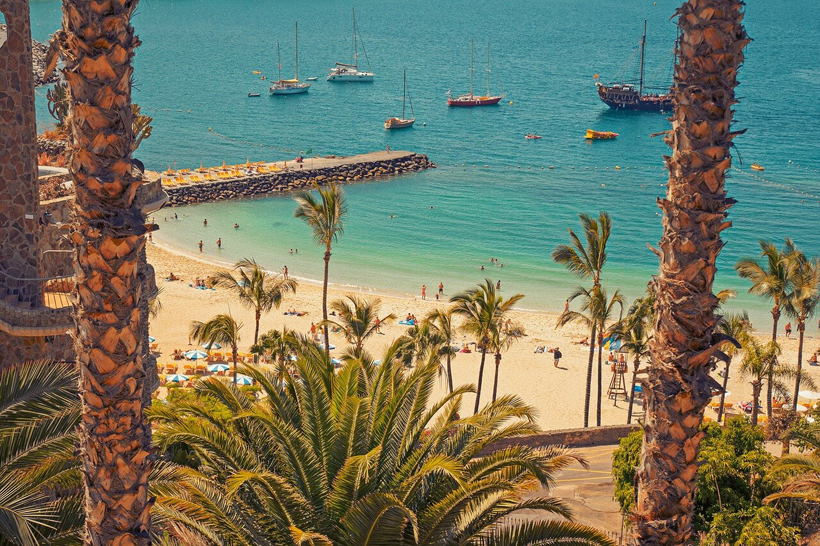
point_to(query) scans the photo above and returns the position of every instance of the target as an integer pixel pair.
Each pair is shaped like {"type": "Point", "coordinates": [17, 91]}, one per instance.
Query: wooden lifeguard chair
{"type": "Point", "coordinates": [617, 385]}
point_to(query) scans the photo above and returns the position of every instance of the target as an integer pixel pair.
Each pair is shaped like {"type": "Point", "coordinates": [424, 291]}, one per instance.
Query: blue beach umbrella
{"type": "Point", "coordinates": [611, 344]}
{"type": "Point", "coordinates": [213, 368]}
{"type": "Point", "coordinates": [243, 380]}
{"type": "Point", "coordinates": [210, 345]}
{"type": "Point", "coordinates": [332, 346]}
{"type": "Point", "coordinates": [177, 378]}
{"type": "Point", "coordinates": [336, 361]}
{"type": "Point", "coordinates": [195, 355]}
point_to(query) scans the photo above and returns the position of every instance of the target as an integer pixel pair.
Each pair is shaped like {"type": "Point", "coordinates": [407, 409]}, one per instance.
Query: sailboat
{"type": "Point", "coordinates": [624, 96]}
{"type": "Point", "coordinates": [402, 122]}
{"type": "Point", "coordinates": [289, 87]}
{"type": "Point", "coordinates": [471, 99]}
{"type": "Point", "coordinates": [343, 72]}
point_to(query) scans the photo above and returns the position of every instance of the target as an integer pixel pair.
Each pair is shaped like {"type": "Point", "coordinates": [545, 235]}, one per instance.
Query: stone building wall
{"type": "Point", "coordinates": [19, 188]}
{"type": "Point", "coordinates": [23, 349]}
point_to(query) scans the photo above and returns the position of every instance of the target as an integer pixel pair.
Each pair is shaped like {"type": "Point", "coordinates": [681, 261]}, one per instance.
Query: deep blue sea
{"type": "Point", "coordinates": [493, 194]}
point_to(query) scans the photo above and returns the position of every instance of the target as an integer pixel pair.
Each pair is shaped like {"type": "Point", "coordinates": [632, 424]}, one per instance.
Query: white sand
{"type": "Point", "coordinates": [557, 394]}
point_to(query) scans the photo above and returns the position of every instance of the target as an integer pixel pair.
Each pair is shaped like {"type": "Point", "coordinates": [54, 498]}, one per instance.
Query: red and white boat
{"type": "Point", "coordinates": [471, 99]}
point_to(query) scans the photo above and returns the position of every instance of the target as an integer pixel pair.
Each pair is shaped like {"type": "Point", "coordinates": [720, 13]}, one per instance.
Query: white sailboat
{"type": "Point", "coordinates": [343, 72]}
{"type": "Point", "coordinates": [402, 122]}
{"type": "Point", "coordinates": [289, 87]}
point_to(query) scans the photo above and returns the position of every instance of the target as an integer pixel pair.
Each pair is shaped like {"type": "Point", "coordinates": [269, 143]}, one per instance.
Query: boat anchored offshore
{"type": "Point", "coordinates": [289, 87]}
{"type": "Point", "coordinates": [471, 99]}
{"type": "Point", "coordinates": [758, 167]}
{"type": "Point", "coordinates": [343, 72]}
{"type": "Point", "coordinates": [600, 135]}
{"type": "Point", "coordinates": [402, 122]}
{"type": "Point", "coordinates": [624, 96]}
{"type": "Point", "coordinates": [533, 136]}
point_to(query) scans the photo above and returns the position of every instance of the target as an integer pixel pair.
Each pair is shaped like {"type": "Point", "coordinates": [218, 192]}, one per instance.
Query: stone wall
{"type": "Point", "coordinates": [24, 349]}
{"type": "Point", "coordinates": [19, 187]}
{"type": "Point", "coordinates": [573, 437]}
{"type": "Point", "coordinates": [290, 180]}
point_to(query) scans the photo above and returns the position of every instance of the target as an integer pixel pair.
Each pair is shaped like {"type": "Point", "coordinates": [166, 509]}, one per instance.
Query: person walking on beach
{"type": "Point", "coordinates": [556, 354]}
{"type": "Point", "coordinates": [441, 289]}
{"type": "Point", "coordinates": [313, 330]}
{"type": "Point", "coordinates": [388, 148]}
{"type": "Point", "coordinates": [788, 330]}
{"type": "Point", "coordinates": [378, 326]}
{"type": "Point", "coordinates": [200, 246]}
{"type": "Point", "coordinates": [566, 306]}
{"type": "Point", "coordinates": [424, 291]}
{"type": "Point", "coordinates": [219, 243]}
{"type": "Point", "coordinates": [285, 271]}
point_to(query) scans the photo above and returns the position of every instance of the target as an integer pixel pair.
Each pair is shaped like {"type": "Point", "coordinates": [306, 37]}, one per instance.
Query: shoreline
{"type": "Point", "coordinates": [556, 393]}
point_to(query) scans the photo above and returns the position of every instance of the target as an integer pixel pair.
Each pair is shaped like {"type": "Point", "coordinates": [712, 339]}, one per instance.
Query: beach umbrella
{"type": "Point", "coordinates": [377, 362]}
{"type": "Point", "coordinates": [177, 378]}
{"type": "Point", "coordinates": [151, 339]}
{"type": "Point", "coordinates": [611, 344]}
{"type": "Point", "coordinates": [809, 395]}
{"type": "Point", "coordinates": [213, 368]}
{"type": "Point", "coordinates": [335, 361]}
{"type": "Point", "coordinates": [210, 345]}
{"type": "Point", "coordinates": [243, 379]}
{"type": "Point", "coordinates": [332, 346]}
{"type": "Point", "coordinates": [196, 355]}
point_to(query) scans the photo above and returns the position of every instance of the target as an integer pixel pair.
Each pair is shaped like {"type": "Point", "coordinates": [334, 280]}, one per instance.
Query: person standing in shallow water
{"type": "Point", "coordinates": [424, 291]}
{"type": "Point", "coordinates": [441, 289]}
{"type": "Point", "coordinates": [205, 222]}
{"type": "Point", "coordinates": [219, 243]}
{"type": "Point", "coordinates": [498, 284]}
{"type": "Point", "coordinates": [200, 246]}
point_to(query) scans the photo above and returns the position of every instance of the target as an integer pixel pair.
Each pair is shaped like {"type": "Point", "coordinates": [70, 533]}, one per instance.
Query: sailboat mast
{"type": "Point", "coordinates": [404, 95]}
{"type": "Point", "coordinates": [472, 68]}
{"type": "Point", "coordinates": [355, 42]}
{"type": "Point", "coordinates": [278, 61]}
{"type": "Point", "coordinates": [488, 68]}
{"type": "Point", "coordinates": [643, 46]}
{"type": "Point", "coordinates": [296, 77]}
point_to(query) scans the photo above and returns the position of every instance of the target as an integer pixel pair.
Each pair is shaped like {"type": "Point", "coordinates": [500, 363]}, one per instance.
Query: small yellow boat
{"type": "Point", "coordinates": [758, 167]}
{"type": "Point", "coordinates": [256, 72]}
{"type": "Point", "coordinates": [600, 135]}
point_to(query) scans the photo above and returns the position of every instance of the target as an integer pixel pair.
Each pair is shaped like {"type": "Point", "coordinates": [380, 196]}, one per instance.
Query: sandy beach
{"type": "Point", "coordinates": [556, 393]}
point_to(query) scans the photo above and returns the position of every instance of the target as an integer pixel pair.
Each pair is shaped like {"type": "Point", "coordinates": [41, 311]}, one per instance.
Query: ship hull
{"type": "Point", "coordinates": [663, 105]}
{"type": "Point", "coordinates": [362, 78]}
{"type": "Point", "coordinates": [396, 123]}
{"type": "Point", "coordinates": [477, 101]}
{"type": "Point", "coordinates": [289, 90]}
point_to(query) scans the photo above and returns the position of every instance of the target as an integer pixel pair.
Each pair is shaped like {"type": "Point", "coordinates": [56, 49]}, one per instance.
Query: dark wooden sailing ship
{"type": "Point", "coordinates": [624, 96]}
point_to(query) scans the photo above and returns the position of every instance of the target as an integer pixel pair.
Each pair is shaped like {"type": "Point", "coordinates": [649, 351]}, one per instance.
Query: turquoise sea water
{"type": "Point", "coordinates": [493, 195]}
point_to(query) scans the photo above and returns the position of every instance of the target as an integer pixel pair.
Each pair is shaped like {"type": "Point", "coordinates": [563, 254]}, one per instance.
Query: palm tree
{"type": "Point", "coordinates": [501, 339]}
{"type": "Point", "coordinates": [97, 44]}
{"type": "Point", "coordinates": [441, 321]}
{"type": "Point", "coordinates": [587, 262]}
{"type": "Point", "coordinates": [605, 311]}
{"type": "Point", "coordinates": [256, 289]}
{"type": "Point", "coordinates": [39, 414]}
{"type": "Point", "coordinates": [773, 283]}
{"type": "Point", "coordinates": [678, 386]}
{"type": "Point", "coordinates": [634, 333]}
{"type": "Point", "coordinates": [360, 456]}
{"type": "Point", "coordinates": [357, 318]}
{"type": "Point", "coordinates": [734, 326]}
{"type": "Point", "coordinates": [325, 217]}
{"type": "Point", "coordinates": [222, 329]}
{"type": "Point", "coordinates": [484, 311]}
{"type": "Point", "coordinates": [758, 362]}
{"type": "Point", "coordinates": [802, 304]}
{"type": "Point", "coordinates": [804, 469]}
{"type": "Point", "coordinates": [280, 345]}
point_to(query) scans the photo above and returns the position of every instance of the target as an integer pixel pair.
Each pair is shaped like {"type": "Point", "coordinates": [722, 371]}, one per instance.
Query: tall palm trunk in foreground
{"type": "Point", "coordinates": [97, 44]}
{"type": "Point", "coordinates": [685, 342]}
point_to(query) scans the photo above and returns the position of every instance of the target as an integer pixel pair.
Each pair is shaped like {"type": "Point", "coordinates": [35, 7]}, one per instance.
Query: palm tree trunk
{"type": "Point", "coordinates": [600, 376]}
{"type": "Point", "coordinates": [235, 358]}
{"type": "Point", "coordinates": [635, 367]}
{"type": "Point", "coordinates": [480, 380]}
{"type": "Point", "coordinates": [97, 43]}
{"type": "Point", "coordinates": [770, 379]}
{"type": "Point", "coordinates": [723, 393]}
{"type": "Point", "coordinates": [324, 300]}
{"type": "Point", "coordinates": [589, 375]}
{"type": "Point", "coordinates": [755, 401]}
{"type": "Point", "coordinates": [801, 328]}
{"type": "Point", "coordinates": [256, 330]}
{"type": "Point", "coordinates": [449, 373]}
{"type": "Point", "coordinates": [678, 386]}
{"type": "Point", "coordinates": [495, 382]}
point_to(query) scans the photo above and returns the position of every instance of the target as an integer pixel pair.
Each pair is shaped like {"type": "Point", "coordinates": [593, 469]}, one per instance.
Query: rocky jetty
{"type": "Point", "coordinates": [358, 169]}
